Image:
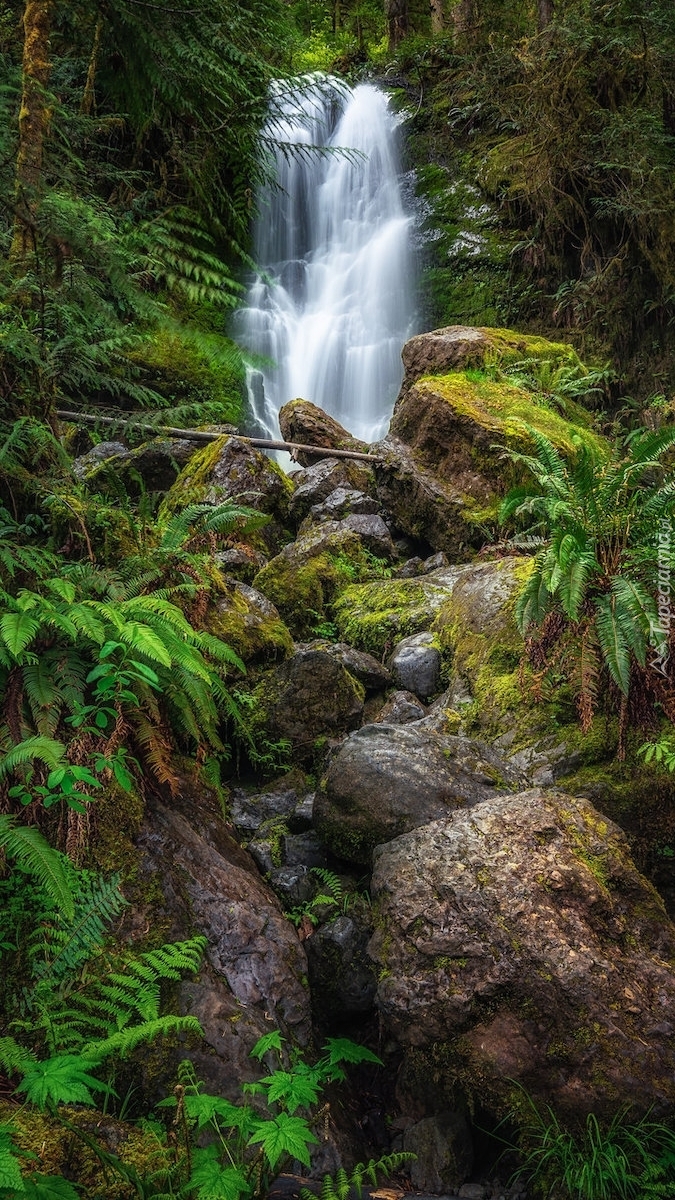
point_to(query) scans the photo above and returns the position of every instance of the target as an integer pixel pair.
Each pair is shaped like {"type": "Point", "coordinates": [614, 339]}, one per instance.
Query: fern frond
{"type": "Point", "coordinates": [28, 846]}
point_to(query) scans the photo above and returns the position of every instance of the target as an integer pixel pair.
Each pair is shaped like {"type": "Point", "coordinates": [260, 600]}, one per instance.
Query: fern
{"type": "Point", "coordinates": [341, 1185]}
{"type": "Point", "coordinates": [34, 854]}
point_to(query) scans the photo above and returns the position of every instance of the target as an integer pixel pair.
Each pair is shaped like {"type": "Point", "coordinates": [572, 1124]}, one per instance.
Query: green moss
{"type": "Point", "coordinates": [192, 482]}
{"type": "Point", "coordinates": [116, 819]}
{"type": "Point", "coordinates": [252, 634]}
{"type": "Point", "coordinates": [374, 616]}
{"type": "Point", "coordinates": [197, 371]}
{"type": "Point", "coordinates": [302, 586]}
{"type": "Point", "coordinates": [504, 410]}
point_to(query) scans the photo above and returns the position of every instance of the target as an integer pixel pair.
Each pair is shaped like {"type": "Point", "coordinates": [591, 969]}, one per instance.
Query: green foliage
{"type": "Point", "coordinates": [599, 560]}
{"type": "Point", "coordinates": [344, 1184]}
{"type": "Point", "coordinates": [661, 752]}
{"type": "Point", "coordinates": [618, 1161]}
{"type": "Point", "coordinates": [33, 853]}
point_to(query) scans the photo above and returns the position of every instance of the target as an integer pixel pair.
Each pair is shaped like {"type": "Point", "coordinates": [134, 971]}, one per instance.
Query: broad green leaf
{"type": "Point", "coordinates": [215, 1182]}
{"type": "Point", "coordinates": [269, 1041]}
{"type": "Point", "coordinates": [342, 1050]}
{"type": "Point", "coordinates": [291, 1089]}
{"type": "Point", "coordinates": [63, 1079]}
{"type": "Point", "coordinates": [49, 1187]}
{"type": "Point", "coordinates": [203, 1109]}
{"type": "Point", "coordinates": [284, 1136]}
{"type": "Point", "coordinates": [144, 639]}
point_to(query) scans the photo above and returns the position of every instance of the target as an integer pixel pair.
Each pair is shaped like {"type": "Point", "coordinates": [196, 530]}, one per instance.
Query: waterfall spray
{"type": "Point", "coordinates": [335, 297]}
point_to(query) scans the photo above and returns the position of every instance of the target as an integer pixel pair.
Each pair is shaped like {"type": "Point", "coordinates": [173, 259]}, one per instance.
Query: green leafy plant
{"type": "Point", "coordinates": [590, 602]}
{"type": "Point", "coordinates": [344, 1184]}
{"type": "Point", "coordinates": [661, 752]}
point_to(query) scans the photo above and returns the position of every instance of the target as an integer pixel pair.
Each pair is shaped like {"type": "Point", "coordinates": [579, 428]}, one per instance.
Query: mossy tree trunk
{"type": "Point", "coordinates": [463, 20]}
{"type": "Point", "coordinates": [437, 16]}
{"type": "Point", "coordinates": [544, 12]}
{"type": "Point", "coordinates": [33, 123]}
{"type": "Point", "coordinates": [396, 12]}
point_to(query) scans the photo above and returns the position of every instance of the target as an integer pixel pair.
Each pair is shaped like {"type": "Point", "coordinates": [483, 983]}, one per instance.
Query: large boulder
{"type": "Point", "coordinates": [518, 936]}
{"type": "Point", "coordinates": [416, 665]}
{"type": "Point", "coordinates": [388, 779]}
{"type": "Point", "coordinates": [441, 470]}
{"type": "Point", "coordinates": [341, 975]}
{"type": "Point", "coordinates": [249, 623]}
{"type": "Point", "coordinates": [195, 878]}
{"type": "Point", "coordinates": [314, 485]}
{"type": "Point", "coordinates": [374, 616]}
{"type": "Point", "coordinates": [303, 422]}
{"type": "Point", "coordinates": [310, 696]}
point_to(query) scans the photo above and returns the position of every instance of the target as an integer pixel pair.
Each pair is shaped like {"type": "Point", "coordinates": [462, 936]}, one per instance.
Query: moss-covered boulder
{"type": "Point", "coordinates": [304, 701]}
{"type": "Point", "coordinates": [442, 471]}
{"type": "Point", "coordinates": [520, 936]}
{"type": "Point", "coordinates": [457, 347]}
{"type": "Point", "coordinates": [249, 623]}
{"type": "Point", "coordinates": [375, 615]}
{"type": "Point", "coordinates": [305, 577]}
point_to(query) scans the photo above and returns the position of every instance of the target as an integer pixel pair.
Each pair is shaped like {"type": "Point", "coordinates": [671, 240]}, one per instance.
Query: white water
{"type": "Point", "coordinates": [335, 299]}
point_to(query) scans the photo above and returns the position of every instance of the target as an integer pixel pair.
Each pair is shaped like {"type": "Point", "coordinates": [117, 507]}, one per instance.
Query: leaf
{"type": "Point", "coordinates": [144, 639]}
{"type": "Point", "coordinates": [32, 850]}
{"type": "Point", "coordinates": [613, 643]}
{"type": "Point", "coordinates": [269, 1041]}
{"type": "Point", "coordinates": [10, 1171]}
{"type": "Point", "coordinates": [203, 1109]}
{"type": "Point", "coordinates": [284, 1136]}
{"type": "Point", "coordinates": [215, 1182]}
{"type": "Point", "coordinates": [63, 1079]}
{"type": "Point", "coordinates": [48, 1187]}
{"type": "Point", "coordinates": [343, 1050]}
{"type": "Point", "coordinates": [18, 629]}
{"type": "Point", "coordinates": [291, 1089]}
{"type": "Point", "coordinates": [47, 750]}
{"type": "Point", "coordinates": [62, 588]}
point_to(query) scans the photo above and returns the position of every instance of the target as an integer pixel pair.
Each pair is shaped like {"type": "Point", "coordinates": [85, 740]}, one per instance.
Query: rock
{"type": "Point", "coordinates": [371, 673]}
{"type": "Point", "coordinates": [373, 533]}
{"type": "Point", "coordinates": [88, 464]}
{"type": "Point", "coordinates": [309, 696]}
{"type": "Point", "coordinates": [401, 709]}
{"type": "Point", "coordinates": [520, 936]}
{"type": "Point", "coordinates": [249, 623]}
{"type": "Point", "coordinates": [340, 503]}
{"type": "Point", "coordinates": [411, 568]}
{"type": "Point", "coordinates": [303, 579]}
{"type": "Point", "coordinates": [317, 482]}
{"type": "Point", "coordinates": [437, 562]}
{"type": "Point", "coordinates": [374, 616]}
{"type": "Point", "coordinates": [303, 850]}
{"type": "Point", "coordinates": [387, 779]}
{"type": "Point", "coordinates": [416, 665]}
{"type": "Point", "coordinates": [201, 881]}
{"type": "Point", "coordinates": [293, 885]}
{"type": "Point", "coordinates": [242, 562]}
{"type": "Point", "coordinates": [444, 1152]}
{"type": "Point", "coordinates": [441, 471]}
{"type": "Point", "coordinates": [301, 421]}
{"type": "Point", "coordinates": [341, 976]}
{"type": "Point", "coordinates": [248, 811]}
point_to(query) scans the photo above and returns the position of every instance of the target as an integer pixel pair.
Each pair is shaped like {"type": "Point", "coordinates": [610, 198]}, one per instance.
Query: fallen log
{"type": "Point", "coordinates": [201, 435]}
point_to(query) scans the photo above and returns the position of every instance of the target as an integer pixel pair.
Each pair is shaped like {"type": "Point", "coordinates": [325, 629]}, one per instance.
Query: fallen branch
{"type": "Point", "coordinates": [201, 435]}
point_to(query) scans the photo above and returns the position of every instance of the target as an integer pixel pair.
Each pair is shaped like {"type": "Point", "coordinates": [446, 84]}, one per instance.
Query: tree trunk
{"type": "Point", "coordinates": [396, 12]}
{"type": "Point", "coordinates": [545, 13]}
{"type": "Point", "coordinates": [437, 17]}
{"type": "Point", "coordinates": [89, 94]}
{"type": "Point", "coordinates": [463, 20]}
{"type": "Point", "coordinates": [33, 122]}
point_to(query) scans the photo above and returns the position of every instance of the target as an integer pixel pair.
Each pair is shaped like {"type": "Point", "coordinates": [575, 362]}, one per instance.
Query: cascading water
{"type": "Point", "coordinates": [335, 298]}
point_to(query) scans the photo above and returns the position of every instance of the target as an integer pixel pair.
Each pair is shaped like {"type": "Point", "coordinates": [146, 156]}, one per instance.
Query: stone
{"type": "Point", "coordinates": [316, 483]}
{"type": "Point", "coordinates": [373, 533]}
{"type": "Point", "coordinates": [340, 503]}
{"type": "Point", "coordinates": [436, 562]}
{"type": "Point", "coordinates": [249, 623]}
{"type": "Point", "coordinates": [400, 709]}
{"type": "Point", "coordinates": [364, 667]}
{"type": "Point", "coordinates": [88, 464]}
{"type": "Point", "coordinates": [411, 567]}
{"type": "Point", "coordinates": [293, 885]}
{"type": "Point", "coordinates": [341, 976]}
{"type": "Point", "coordinates": [443, 350]}
{"type": "Point", "coordinates": [248, 811]}
{"type": "Point", "coordinates": [308, 697]}
{"type": "Point", "coordinates": [202, 881]}
{"type": "Point", "coordinates": [517, 940]}
{"type": "Point", "coordinates": [415, 665]}
{"type": "Point", "coordinates": [306, 423]}
{"type": "Point", "coordinates": [444, 1152]}
{"type": "Point", "coordinates": [242, 562]}
{"type": "Point", "coordinates": [387, 779]}
{"type": "Point", "coordinates": [375, 615]}
{"type": "Point", "coordinates": [303, 850]}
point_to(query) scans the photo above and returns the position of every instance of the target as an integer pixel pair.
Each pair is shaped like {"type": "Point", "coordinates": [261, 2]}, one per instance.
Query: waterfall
{"type": "Point", "coordinates": [335, 297]}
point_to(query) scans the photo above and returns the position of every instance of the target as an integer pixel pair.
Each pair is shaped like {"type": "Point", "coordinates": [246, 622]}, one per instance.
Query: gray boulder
{"type": "Point", "coordinates": [519, 934]}
{"type": "Point", "coordinates": [316, 483]}
{"type": "Point", "coordinates": [388, 779]}
{"type": "Point", "coordinates": [341, 976]}
{"type": "Point", "coordinates": [416, 665]}
{"type": "Point", "coordinates": [400, 709]}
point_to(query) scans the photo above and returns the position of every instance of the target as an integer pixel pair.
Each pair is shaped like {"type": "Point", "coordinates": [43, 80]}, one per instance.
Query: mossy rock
{"type": "Point", "coordinates": [250, 624]}
{"type": "Point", "coordinates": [205, 372]}
{"type": "Point", "coordinates": [375, 616]}
{"type": "Point", "coordinates": [305, 577]}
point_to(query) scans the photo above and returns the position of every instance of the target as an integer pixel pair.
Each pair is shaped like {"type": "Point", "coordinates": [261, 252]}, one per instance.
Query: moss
{"type": "Point", "coordinates": [303, 586]}
{"type": "Point", "coordinates": [503, 410]}
{"type": "Point", "coordinates": [374, 616]}
{"type": "Point", "coordinates": [116, 817]}
{"type": "Point", "coordinates": [206, 372]}
{"type": "Point", "coordinates": [254, 635]}
{"type": "Point", "coordinates": [57, 1150]}
{"type": "Point", "coordinates": [192, 482]}
{"type": "Point", "coordinates": [510, 346]}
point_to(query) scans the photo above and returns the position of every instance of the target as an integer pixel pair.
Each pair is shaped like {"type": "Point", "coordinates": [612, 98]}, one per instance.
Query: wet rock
{"type": "Point", "coordinates": [303, 850]}
{"type": "Point", "coordinates": [373, 533]}
{"type": "Point", "coordinates": [309, 696]}
{"type": "Point", "coordinates": [437, 562]}
{"type": "Point", "coordinates": [248, 476]}
{"type": "Point", "coordinates": [341, 976]}
{"type": "Point", "coordinates": [443, 350]}
{"type": "Point", "coordinates": [340, 503]}
{"type": "Point", "coordinates": [105, 452]}
{"type": "Point", "coordinates": [206, 883]}
{"type": "Point", "coordinates": [317, 482]}
{"type": "Point", "coordinates": [243, 563]}
{"type": "Point", "coordinates": [522, 925]}
{"type": "Point", "coordinates": [248, 811]}
{"type": "Point", "coordinates": [364, 667]}
{"type": "Point", "coordinates": [304, 422]}
{"type": "Point", "coordinates": [401, 709]}
{"type": "Point", "coordinates": [249, 623]}
{"type": "Point", "coordinates": [425, 502]}
{"type": "Point", "coordinates": [411, 567]}
{"type": "Point", "coordinates": [386, 779]}
{"type": "Point", "coordinates": [416, 665]}
{"type": "Point", "coordinates": [293, 885]}
{"type": "Point", "coordinates": [374, 616]}
{"type": "Point", "coordinates": [444, 1152]}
